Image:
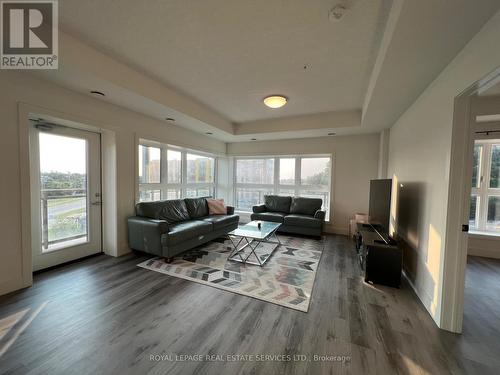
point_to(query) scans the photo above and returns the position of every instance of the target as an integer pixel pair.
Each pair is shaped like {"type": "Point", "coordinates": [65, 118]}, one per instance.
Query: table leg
{"type": "Point", "coordinates": [235, 248]}
{"type": "Point", "coordinates": [253, 244]}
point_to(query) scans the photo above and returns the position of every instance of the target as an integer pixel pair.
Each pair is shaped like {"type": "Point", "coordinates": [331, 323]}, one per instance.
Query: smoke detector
{"type": "Point", "coordinates": [337, 12]}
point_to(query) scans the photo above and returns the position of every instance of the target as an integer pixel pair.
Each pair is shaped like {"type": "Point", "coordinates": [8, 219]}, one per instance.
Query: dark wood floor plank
{"type": "Point", "coordinates": [106, 315]}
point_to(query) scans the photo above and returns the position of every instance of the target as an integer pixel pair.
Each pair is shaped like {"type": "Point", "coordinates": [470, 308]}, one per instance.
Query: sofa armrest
{"type": "Point", "coordinates": [230, 210]}
{"type": "Point", "coordinates": [158, 226]}
{"type": "Point", "coordinates": [259, 208]}
{"type": "Point", "coordinates": [320, 215]}
{"type": "Point", "coordinates": [145, 234]}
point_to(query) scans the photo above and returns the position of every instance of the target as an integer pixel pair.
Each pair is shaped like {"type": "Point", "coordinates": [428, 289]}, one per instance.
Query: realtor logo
{"type": "Point", "coordinates": [29, 35]}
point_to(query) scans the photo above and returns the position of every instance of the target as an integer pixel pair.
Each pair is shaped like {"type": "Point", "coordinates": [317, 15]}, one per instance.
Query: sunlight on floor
{"type": "Point", "coordinates": [14, 325]}
{"type": "Point", "coordinates": [412, 366]}
{"type": "Point", "coordinates": [7, 323]}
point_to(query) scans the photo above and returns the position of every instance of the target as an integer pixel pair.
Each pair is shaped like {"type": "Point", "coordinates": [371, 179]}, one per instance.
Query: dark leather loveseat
{"type": "Point", "coordinates": [167, 228]}
{"type": "Point", "coordinates": [297, 214]}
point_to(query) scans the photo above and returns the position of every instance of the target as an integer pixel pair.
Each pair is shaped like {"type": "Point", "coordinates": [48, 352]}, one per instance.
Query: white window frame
{"type": "Point", "coordinates": [275, 187]}
{"type": "Point", "coordinates": [164, 185]}
{"type": "Point", "coordinates": [483, 191]}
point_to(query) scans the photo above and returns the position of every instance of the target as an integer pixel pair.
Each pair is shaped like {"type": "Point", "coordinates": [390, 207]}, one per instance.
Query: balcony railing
{"type": "Point", "coordinates": [64, 215]}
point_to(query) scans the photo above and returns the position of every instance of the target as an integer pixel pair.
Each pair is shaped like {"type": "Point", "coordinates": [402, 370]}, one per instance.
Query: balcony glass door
{"type": "Point", "coordinates": [66, 195]}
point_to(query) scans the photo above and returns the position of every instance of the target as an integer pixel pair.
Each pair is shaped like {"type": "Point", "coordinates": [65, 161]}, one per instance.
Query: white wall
{"type": "Point", "coordinates": [21, 87]}
{"type": "Point", "coordinates": [355, 163]}
{"type": "Point", "coordinates": [419, 156]}
{"type": "Point", "coordinates": [484, 246]}
{"type": "Point", "coordinates": [383, 153]}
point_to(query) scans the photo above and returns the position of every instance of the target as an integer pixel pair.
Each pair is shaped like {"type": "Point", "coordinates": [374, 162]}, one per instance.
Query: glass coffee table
{"type": "Point", "coordinates": [252, 236]}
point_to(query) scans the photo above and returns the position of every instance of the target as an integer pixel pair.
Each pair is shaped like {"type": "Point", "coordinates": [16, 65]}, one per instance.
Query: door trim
{"type": "Point", "coordinates": [109, 187]}
{"type": "Point", "coordinates": [93, 243]}
{"type": "Point", "coordinates": [459, 189]}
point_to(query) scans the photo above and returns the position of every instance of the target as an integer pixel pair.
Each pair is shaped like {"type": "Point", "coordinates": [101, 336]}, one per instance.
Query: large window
{"type": "Point", "coordinates": [255, 171]}
{"type": "Point", "coordinates": [304, 176]}
{"type": "Point", "coordinates": [484, 214]}
{"type": "Point", "coordinates": [149, 161]}
{"type": "Point", "coordinates": [167, 172]}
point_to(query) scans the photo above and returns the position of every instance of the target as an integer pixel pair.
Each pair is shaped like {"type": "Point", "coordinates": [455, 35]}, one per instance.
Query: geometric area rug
{"type": "Point", "coordinates": [287, 279]}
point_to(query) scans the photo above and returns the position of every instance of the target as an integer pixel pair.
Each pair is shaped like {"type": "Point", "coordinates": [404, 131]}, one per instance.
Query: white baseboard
{"type": "Point", "coordinates": [425, 299]}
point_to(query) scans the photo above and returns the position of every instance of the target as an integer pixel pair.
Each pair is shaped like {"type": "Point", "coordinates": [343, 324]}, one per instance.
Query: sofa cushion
{"type": "Point", "coordinates": [305, 206]}
{"type": "Point", "coordinates": [276, 203]}
{"type": "Point", "coordinates": [174, 211]}
{"type": "Point", "coordinates": [188, 230]}
{"type": "Point", "coordinates": [197, 207]}
{"type": "Point", "coordinates": [275, 217]}
{"type": "Point", "coordinates": [300, 220]}
{"type": "Point", "coordinates": [221, 221]}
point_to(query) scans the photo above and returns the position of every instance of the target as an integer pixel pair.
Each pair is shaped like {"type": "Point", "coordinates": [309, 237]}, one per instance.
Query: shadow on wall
{"type": "Point", "coordinates": [409, 198]}
{"type": "Point", "coordinates": [421, 246]}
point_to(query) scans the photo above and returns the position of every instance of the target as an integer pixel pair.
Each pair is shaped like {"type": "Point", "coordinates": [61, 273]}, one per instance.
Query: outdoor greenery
{"type": "Point", "coordinates": [475, 165]}
{"type": "Point", "coordinates": [319, 179]}
{"type": "Point", "coordinates": [58, 180]}
{"type": "Point", "coordinates": [495, 167]}
{"type": "Point", "coordinates": [472, 211]}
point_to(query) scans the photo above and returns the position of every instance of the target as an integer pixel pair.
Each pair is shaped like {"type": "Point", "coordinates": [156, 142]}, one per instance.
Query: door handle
{"type": "Point", "coordinates": [96, 203]}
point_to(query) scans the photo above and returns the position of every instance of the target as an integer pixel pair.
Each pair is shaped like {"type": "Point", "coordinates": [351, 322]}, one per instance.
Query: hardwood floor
{"type": "Point", "coordinates": [106, 316]}
{"type": "Point", "coordinates": [481, 326]}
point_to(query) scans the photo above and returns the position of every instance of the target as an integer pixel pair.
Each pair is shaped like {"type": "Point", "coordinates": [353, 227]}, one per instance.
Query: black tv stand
{"type": "Point", "coordinates": [379, 256]}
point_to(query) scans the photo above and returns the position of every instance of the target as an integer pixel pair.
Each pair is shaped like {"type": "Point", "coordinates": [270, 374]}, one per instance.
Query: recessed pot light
{"type": "Point", "coordinates": [275, 101]}
{"type": "Point", "coordinates": [98, 93]}
{"type": "Point", "coordinates": [170, 119]}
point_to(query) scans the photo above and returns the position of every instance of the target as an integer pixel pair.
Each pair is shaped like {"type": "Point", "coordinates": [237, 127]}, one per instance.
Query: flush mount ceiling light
{"type": "Point", "coordinates": [275, 101]}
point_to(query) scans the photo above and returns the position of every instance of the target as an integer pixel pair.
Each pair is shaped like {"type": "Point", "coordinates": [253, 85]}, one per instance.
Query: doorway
{"type": "Point", "coordinates": [473, 208]}
{"type": "Point", "coordinates": [65, 177]}
{"type": "Point", "coordinates": [481, 312]}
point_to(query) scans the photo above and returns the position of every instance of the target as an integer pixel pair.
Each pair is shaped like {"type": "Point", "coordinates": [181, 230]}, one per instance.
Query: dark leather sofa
{"type": "Point", "coordinates": [167, 228]}
{"type": "Point", "coordinates": [297, 214]}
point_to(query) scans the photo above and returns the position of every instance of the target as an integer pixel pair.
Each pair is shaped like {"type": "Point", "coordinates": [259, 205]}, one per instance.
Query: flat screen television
{"type": "Point", "coordinates": [380, 205]}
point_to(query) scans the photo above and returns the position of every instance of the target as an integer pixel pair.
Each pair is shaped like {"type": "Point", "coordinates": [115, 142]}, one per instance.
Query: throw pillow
{"type": "Point", "coordinates": [216, 207]}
